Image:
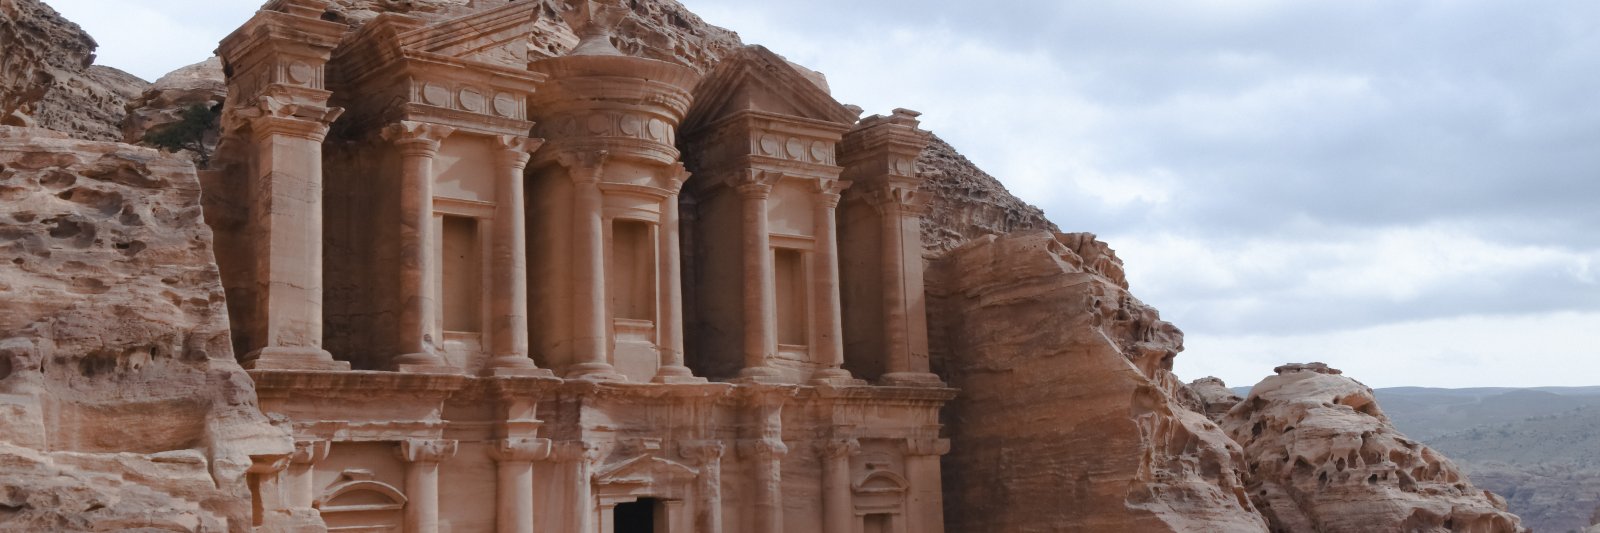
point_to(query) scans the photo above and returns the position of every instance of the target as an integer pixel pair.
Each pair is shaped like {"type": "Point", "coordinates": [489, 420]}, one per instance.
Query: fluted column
{"type": "Point", "coordinates": [299, 478]}
{"type": "Point", "coordinates": [838, 511]}
{"type": "Point", "coordinates": [670, 326]}
{"type": "Point", "coordinates": [509, 301]}
{"type": "Point", "coordinates": [829, 349]}
{"type": "Point", "coordinates": [925, 497]}
{"type": "Point", "coordinates": [422, 458]}
{"type": "Point", "coordinates": [708, 486]}
{"type": "Point", "coordinates": [514, 482]}
{"type": "Point", "coordinates": [286, 233]}
{"type": "Point", "coordinates": [419, 313]}
{"type": "Point", "coordinates": [760, 320]}
{"type": "Point", "coordinates": [590, 348]}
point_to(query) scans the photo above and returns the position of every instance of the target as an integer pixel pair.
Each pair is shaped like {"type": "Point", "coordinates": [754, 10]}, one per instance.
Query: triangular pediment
{"type": "Point", "coordinates": [645, 469]}
{"type": "Point", "coordinates": [497, 36]}
{"type": "Point", "coordinates": [755, 79]}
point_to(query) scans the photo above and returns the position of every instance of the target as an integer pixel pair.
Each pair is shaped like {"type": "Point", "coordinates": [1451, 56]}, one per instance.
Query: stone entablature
{"type": "Point", "coordinates": [586, 323]}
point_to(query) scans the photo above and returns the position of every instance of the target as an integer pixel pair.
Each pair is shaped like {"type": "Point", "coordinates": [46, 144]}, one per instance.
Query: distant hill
{"type": "Point", "coordinates": [1537, 447]}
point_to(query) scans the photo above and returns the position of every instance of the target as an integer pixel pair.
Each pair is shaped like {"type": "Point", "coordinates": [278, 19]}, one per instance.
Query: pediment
{"type": "Point", "coordinates": [497, 36]}
{"type": "Point", "coordinates": [755, 79]}
{"type": "Point", "coordinates": [644, 470]}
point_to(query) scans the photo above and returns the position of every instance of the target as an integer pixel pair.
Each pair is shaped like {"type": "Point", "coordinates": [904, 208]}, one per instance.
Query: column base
{"type": "Point", "coordinates": [515, 365]}
{"type": "Point", "coordinates": [911, 379]}
{"type": "Point", "coordinates": [760, 374]}
{"type": "Point", "coordinates": [424, 363]}
{"type": "Point", "coordinates": [594, 372]}
{"type": "Point", "coordinates": [676, 374]}
{"type": "Point", "coordinates": [836, 377]}
{"type": "Point", "coordinates": [293, 358]}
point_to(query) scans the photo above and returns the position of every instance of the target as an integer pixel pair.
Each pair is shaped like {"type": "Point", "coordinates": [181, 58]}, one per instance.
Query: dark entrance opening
{"type": "Point", "coordinates": [637, 516]}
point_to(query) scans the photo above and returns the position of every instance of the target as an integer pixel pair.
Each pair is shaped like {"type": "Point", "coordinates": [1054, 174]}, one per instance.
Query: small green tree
{"type": "Point", "coordinates": [188, 133]}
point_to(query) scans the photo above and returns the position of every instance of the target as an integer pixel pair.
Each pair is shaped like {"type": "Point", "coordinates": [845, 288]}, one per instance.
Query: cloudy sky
{"type": "Point", "coordinates": [1408, 190]}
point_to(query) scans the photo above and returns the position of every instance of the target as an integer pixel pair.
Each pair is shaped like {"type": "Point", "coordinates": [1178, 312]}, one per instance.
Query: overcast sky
{"type": "Point", "coordinates": [1407, 190]}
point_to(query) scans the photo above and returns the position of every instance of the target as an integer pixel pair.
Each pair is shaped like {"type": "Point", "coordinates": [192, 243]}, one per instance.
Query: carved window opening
{"type": "Point", "coordinates": [789, 270]}
{"type": "Point", "coordinates": [646, 515]}
{"type": "Point", "coordinates": [633, 270]}
{"type": "Point", "coordinates": [461, 274]}
{"type": "Point", "coordinates": [876, 523]}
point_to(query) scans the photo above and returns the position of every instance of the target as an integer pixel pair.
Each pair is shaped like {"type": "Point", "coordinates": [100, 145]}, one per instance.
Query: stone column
{"type": "Point", "coordinates": [286, 232]}
{"type": "Point", "coordinates": [419, 313]}
{"type": "Point", "coordinates": [760, 320]}
{"type": "Point", "coordinates": [590, 332]}
{"type": "Point", "coordinates": [766, 459]}
{"type": "Point", "coordinates": [514, 482]}
{"type": "Point", "coordinates": [578, 455]}
{"type": "Point", "coordinates": [904, 311]}
{"type": "Point", "coordinates": [670, 326]}
{"type": "Point", "coordinates": [300, 479]}
{"type": "Point", "coordinates": [509, 305]}
{"type": "Point", "coordinates": [708, 486]}
{"type": "Point", "coordinates": [422, 457]}
{"type": "Point", "coordinates": [838, 509]}
{"type": "Point", "coordinates": [266, 494]}
{"type": "Point", "coordinates": [925, 499]}
{"type": "Point", "coordinates": [829, 349]}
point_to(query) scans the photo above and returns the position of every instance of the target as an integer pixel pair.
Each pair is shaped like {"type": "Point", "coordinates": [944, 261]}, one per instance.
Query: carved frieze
{"type": "Point", "coordinates": [468, 97]}
{"type": "Point", "coordinates": [623, 124]}
{"type": "Point", "coordinates": [792, 147]}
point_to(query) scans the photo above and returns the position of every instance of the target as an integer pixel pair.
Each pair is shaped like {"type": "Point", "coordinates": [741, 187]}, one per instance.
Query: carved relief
{"type": "Point", "coordinates": [610, 124]}
{"type": "Point", "coordinates": [470, 98]}
{"type": "Point", "coordinates": [792, 147]}
{"type": "Point", "coordinates": [426, 450]}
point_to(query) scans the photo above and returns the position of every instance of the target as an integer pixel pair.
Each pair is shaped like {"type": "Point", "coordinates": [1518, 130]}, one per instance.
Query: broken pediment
{"type": "Point", "coordinates": [497, 36]}
{"type": "Point", "coordinates": [758, 80]}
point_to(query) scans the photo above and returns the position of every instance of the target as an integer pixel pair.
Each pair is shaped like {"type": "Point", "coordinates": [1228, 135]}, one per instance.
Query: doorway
{"type": "Point", "coordinates": [638, 517]}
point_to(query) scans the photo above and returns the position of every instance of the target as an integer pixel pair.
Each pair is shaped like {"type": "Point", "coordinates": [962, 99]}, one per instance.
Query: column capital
{"type": "Point", "coordinates": [515, 150]}
{"type": "Point", "coordinates": [898, 199]}
{"type": "Point", "coordinates": [421, 138]}
{"type": "Point", "coordinates": [701, 451]}
{"type": "Point", "coordinates": [677, 175]}
{"type": "Point", "coordinates": [574, 450]}
{"type": "Point", "coordinates": [284, 115]}
{"type": "Point", "coordinates": [762, 449]}
{"type": "Point", "coordinates": [925, 446]}
{"type": "Point", "coordinates": [519, 450]}
{"type": "Point", "coordinates": [835, 448]}
{"type": "Point", "coordinates": [426, 450]}
{"type": "Point", "coordinates": [755, 184]}
{"type": "Point", "coordinates": [268, 464]}
{"type": "Point", "coordinates": [310, 451]}
{"type": "Point", "coordinates": [830, 190]}
{"type": "Point", "coordinates": [585, 166]}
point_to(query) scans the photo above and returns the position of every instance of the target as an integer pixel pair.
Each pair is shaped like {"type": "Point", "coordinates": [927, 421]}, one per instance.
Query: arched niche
{"type": "Point", "coordinates": [879, 499]}
{"type": "Point", "coordinates": [358, 504]}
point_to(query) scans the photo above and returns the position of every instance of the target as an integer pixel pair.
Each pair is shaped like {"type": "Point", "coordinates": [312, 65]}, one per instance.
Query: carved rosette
{"type": "Point", "coordinates": [426, 450]}
{"type": "Point", "coordinates": [521, 450]}
{"type": "Point", "coordinates": [417, 138]}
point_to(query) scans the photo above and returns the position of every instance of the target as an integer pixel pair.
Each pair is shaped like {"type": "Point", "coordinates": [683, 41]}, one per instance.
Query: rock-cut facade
{"type": "Point", "coordinates": [493, 291]}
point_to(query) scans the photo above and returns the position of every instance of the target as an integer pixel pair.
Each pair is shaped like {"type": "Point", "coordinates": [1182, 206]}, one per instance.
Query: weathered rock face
{"type": "Point", "coordinates": [165, 101]}
{"type": "Point", "coordinates": [1069, 417]}
{"type": "Point", "coordinates": [1215, 397]}
{"type": "Point", "coordinates": [40, 46]}
{"type": "Point", "coordinates": [89, 104]}
{"type": "Point", "coordinates": [121, 405]}
{"type": "Point", "coordinates": [967, 203]}
{"type": "Point", "coordinates": [1323, 457]}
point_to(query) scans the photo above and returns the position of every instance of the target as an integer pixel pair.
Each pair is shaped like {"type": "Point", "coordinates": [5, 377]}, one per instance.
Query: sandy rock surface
{"type": "Point", "coordinates": [120, 401]}
{"type": "Point", "coordinates": [40, 47]}
{"type": "Point", "coordinates": [1323, 457]}
{"type": "Point", "coordinates": [967, 202]}
{"type": "Point", "coordinates": [164, 102]}
{"type": "Point", "coordinates": [1215, 397]}
{"type": "Point", "coordinates": [1069, 417]}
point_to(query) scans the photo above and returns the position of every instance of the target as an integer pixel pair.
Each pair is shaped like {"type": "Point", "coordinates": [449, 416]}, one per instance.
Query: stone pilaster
{"type": "Point", "coordinates": [300, 489]}
{"type": "Point", "coordinates": [837, 509]}
{"type": "Point", "coordinates": [925, 497]}
{"type": "Point", "coordinates": [760, 315]}
{"type": "Point", "coordinates": [766, 460]}
{"type": "Point", "coordinates": [509, 301]}
{"type": "Point", "coordinates": [418, 143]}
{"type": "Point", "coordinates": [422, 458]}
{"type": "Point", "coordinates": [514, 482]}
{"type": "Point", "coordinates": [708, 486]}
{"type": "Point", "coordinates": [265, 490]}
{"type": "Point", "coordinates": [579, 458]}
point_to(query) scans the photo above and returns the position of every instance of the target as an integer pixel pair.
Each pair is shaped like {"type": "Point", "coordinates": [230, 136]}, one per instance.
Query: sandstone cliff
{"type": "Point", "coordinates": [121, 406]}
{"type": "Point", "coordinates": [1323, 457]}
{"type": "Point", "coordinates": [967, 203]}
{"type": "Point", "coordinates": [46, 73]}
{"type": "Point", "coordinates": [1069, 417]}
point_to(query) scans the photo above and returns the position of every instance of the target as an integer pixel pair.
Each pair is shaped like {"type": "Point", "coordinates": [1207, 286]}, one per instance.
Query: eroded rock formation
{"type": "Point", "coordinates": [1069, 418]}
{"type": "Point", "coordinates": [121, 405]}
{"type": "Point", "coordinates": [967, 203]}
{"type": "Point", "coordinates": [1215, 397]}
{"type": "Point", "coordinates": [1323, 457]}
{"type": "Point", "coordinates": [39, 48]}
{"type": "Point", "coordinates": [165, 101]}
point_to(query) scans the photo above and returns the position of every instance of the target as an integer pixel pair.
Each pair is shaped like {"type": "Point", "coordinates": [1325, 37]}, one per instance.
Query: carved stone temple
{"type": "Point", "coordinates": [592, 292]}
